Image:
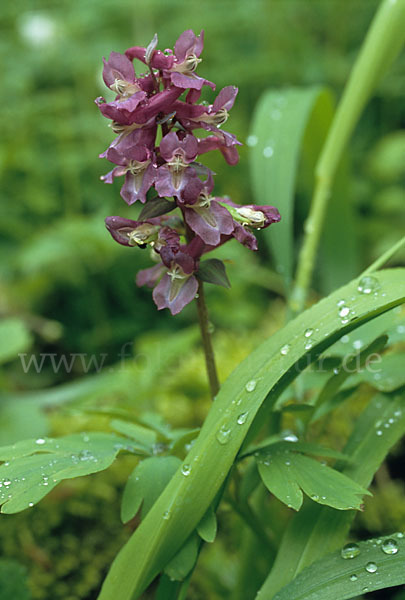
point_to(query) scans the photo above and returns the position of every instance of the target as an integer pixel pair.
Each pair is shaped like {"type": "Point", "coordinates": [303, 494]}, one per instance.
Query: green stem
{"type": "Point", "coordinates": [206, 341]}
{"type": "Point", "coordinates": [381, 46]}
{"type": "Point", "coordinates": [384, 258]}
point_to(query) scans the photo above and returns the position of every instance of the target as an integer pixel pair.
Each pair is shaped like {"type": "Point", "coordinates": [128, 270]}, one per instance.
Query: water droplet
{"type": "Point", "coordinates": [290, 437]}
{"type": "Point", "coordinates": [368, 284]}
{"type": "Point", "coordinates": [335, 371]}
{"type": "Point", "coordinates": [223, 434]}
{"type": "Point", "coordinates": [86, 438]}
{"type": "Point", "coordinates": [365, 589]}
{"type": "Point", "coordinates": [398, 413]}
{"type": "Point", "coordinates": [287, 462]}
{"type": "Point", "coordinates": [166, 515]}
{"type": "Point", "coordinates": [371, 567]}
{"type": "Point", "coordinates": [344, 339]}
{"type": "Point", "coordinates": [7, 482]}
{"type": "Point", "coordinates": [268, 152]}
{"type": "Point", "coordinates": [357, 344]}
{"type": "Point", "coordinates": [344, 311]}
{"type": "Point", "coordinates": [285, 349]}
{"type": "Point", "coordinates": [341, 303]}
{"type": "Point", "coordinates": [350, 550]}
{"type": "Point", "coordinates": [252, 140]}
{"type": "Point", "coordinates": [353, 577]}
{"type": "Point", "coordinates": [186, 470]}
{"type": "Point", "coordinates": [389, 546]}
{"type": "Point", "coordinates": [308, 332]}
{"type": "Point", "coordinates": [308, 345]}
{"type": "Point", "coordinates": [400, 535]}
{"type": "Point", "coordinates": [379, 432]}
{"type": "Point", "coordinates": [242, 418]}
{"type": "Point", "coordinates": [30, 504]}
{"type": "Point", "coordinates": [315, 497]}
{"type": "Point", "coordinates": [250, 386]}
{"type": "Point", "coordinates": [40, 441]}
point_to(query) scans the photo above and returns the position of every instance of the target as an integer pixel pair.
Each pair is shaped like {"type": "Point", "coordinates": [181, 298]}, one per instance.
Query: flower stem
{"type": "Point", "coordinates": [206, 340]}
{"type": "Point", "coordinates": [381, 46]}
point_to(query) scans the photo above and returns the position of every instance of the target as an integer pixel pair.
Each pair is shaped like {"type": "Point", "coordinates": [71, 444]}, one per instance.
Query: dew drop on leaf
{"type": "Point", "coordinates": [285, 349]}
{"type": "Point", "coordinates": [353, 577]}
{"type": "Point", "coordinates": [186, 470]}
{"type": "Point", "coordinates": [371, 567]}
{"type": "Point", "coordinates": [368, 284]}
{"type": "Point", "coordinates": [242, 418]}
{"type": "Point", "coordinates": [389, 546]}
{"type": "Point", "coordinates": [166, 515]}
{"type": "Point", "coordinates": [350, 550]}
{"type": "Point", "coordinates": [308, 332]}
{"type": "Point", "coordinates": [30, 504]}
{"type": "Point", "coordinates": [223, 434]}
{"type": "Point", "coordinates": [344, 311]}
{"type": "Point", "coordinates": [40, 441]}
{"type": "Point", "coordinates": [250, 386]}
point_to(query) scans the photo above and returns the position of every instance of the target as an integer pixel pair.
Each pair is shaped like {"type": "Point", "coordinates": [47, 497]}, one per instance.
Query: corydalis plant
{"type": "Point", "coordinates": [203, 221]}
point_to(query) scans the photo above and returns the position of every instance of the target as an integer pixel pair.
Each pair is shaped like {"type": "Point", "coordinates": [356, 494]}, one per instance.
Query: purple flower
{"type": "Point", "coordinates": [175, 175]}
{"type": "Point", "coordinates": [203, 214]}
{"type": "Point", "coordinates": [132, 233]}
{"type": "Point", "coordinates": [138, 169]}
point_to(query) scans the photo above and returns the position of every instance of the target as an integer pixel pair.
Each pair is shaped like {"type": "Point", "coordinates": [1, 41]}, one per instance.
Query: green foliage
{"type": "Point", "coordinates": [35, 467]}
{"type": "Point", "coordinates": [224, 429]}
{"type": "Point", "coordinates": [146, 483]}
{"type": "Point", "coordinates": [276, 137]}
{"type": "Point", "coordinates": [376, 564]}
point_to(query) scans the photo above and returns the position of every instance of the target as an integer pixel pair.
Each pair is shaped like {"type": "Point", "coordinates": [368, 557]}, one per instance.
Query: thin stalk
{"type": "Point", "coordinates": [206, 341]}
{"type": "Point", "coordinates": [384, 40]}
{"type": "Point", "coordinates": [377, 264]}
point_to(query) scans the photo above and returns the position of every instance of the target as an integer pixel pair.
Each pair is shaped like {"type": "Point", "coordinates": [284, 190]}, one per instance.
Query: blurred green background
{"type": "Point", "coordinates": [66, 287]}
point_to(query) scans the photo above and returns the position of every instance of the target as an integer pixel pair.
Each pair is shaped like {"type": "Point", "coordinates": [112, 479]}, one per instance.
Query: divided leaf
{"type": "Point", "coordinates": [145, 484]}
{"type": "Point", "coordinates": [35, 467]}
{"type": "Point", "coordinates": [287, 474]}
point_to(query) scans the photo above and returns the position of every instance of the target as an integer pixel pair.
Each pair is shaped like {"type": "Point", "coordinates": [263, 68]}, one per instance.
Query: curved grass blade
{"type": "Point", "coordinates": [279, 124]}
{"type": "Point", "coordinates": [272, 366]}
{"type": "Point", "coordinates": [379, 564]}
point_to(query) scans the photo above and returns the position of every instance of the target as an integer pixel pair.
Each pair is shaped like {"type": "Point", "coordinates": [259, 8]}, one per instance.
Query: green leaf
{"type": "Point", "coordinates": [207, 527]}
{"type": "Point", "coordinates": [213, 271]}
{"type": "Point", "coordinates": [14, 339]}
{"type": "Point", "coordinates": [388, 374]}
{"type": "Point", "coordinates": [145, 484]}
{"type": "Point", "coordinates": [285, 473]}
{"type": "Point", "coordinates": [142, 435]}
{"type": "Point", "coordinates": [263, 375]}
{"type": "Point", "coordinates": [379, 564]}
{"type": "Point", "coordinates": [315, 530]}
{"type": "Point", "coordinates": [279, 123]}
{"type": "Point", "coordinates": [182, 563]}
{"type": "Point", "coordinates": [156, 207]}
{"type": "Point", "coordinates": [35, 467]}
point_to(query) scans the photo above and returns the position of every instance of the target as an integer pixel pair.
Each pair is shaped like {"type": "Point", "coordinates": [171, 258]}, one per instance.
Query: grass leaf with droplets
{"type": "Point", "coordinates": [378, 564]}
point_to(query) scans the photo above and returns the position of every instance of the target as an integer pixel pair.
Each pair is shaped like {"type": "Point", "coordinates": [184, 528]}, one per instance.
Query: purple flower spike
{"type": "Point", "coordinates": [142, 105]}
